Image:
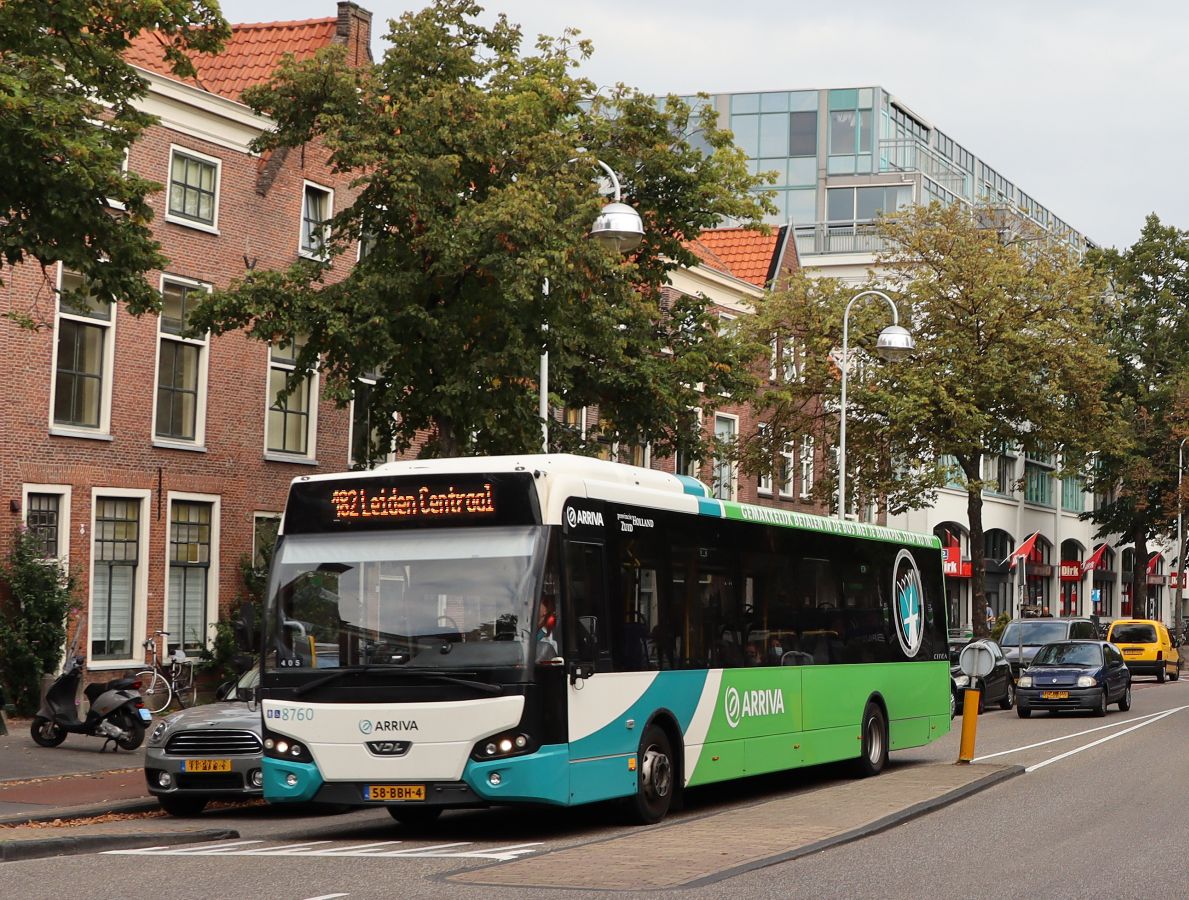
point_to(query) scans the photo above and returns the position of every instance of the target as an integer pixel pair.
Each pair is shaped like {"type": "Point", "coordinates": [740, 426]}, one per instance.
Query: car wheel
{"type": "Point", "coordinates": [1100, 709]}
{"type": "Point", "coordinates": [1160, 676]}
{"type": "Point", "coordinates": [1009, 697]}
{"type": "Point", "coordinates": [182, 807]}
{"type": "Point", "coordinates": [1125, 700]}
{"type": "Point", "coordinates": [1175, 674]}
{"type": "Point", "coordinates": [1023, 712]}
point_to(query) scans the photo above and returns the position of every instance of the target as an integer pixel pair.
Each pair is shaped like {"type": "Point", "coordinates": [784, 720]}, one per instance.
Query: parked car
{"type": "Point", "coordinates": [207, 752]}
{"type": "Point", "coordinates": [998, 687]}
{"type": "Point", "coordinates": [1147, 647]}
{"type": "Point", "coordinates": [1023, 637]}
{"type": "Point", "coordinates": [1072, 675]}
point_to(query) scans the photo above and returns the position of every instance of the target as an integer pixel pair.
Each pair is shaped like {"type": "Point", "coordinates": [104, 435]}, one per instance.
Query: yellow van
{"type": "Point", "coordinates": [1147, 647]}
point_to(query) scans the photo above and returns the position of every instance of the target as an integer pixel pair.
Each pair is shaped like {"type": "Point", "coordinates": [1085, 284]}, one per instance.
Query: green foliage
{"type": "Point", "coordinates": [1001, 622]}
{"type": "Point", "coordinates": [68, 114]}
{"type": "Point", "coordinates": [237, 632]}
{"type": "Point", "coordinates": [33, 621]}
{"type": "Point", "coordinates": [477, 177]}
{"type": "Point", "coordinates": [1147, 333]}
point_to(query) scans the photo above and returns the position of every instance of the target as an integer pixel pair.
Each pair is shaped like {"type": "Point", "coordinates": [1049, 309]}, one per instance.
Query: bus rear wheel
{"type": "Point", "coordinates": [655, 778]}
{"type": "Point", "coordinates": [874, 740]}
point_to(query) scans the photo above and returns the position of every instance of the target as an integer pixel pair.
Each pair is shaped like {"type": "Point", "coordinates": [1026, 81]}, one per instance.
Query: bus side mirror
{"type": "Point", "coordinates": [581, 670]}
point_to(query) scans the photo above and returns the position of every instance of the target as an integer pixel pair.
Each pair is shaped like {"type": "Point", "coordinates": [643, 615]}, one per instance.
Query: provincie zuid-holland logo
{"type": "Point", "coordinates": [909, 603]}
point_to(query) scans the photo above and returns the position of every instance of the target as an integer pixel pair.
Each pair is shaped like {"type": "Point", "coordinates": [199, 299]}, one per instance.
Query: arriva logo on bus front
{"type": "Point", "coordinates": [749, 704]}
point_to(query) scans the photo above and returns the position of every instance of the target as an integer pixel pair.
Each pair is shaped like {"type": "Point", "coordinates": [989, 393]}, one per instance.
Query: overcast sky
{"type": "Point", "coordinates": [1080, 104]}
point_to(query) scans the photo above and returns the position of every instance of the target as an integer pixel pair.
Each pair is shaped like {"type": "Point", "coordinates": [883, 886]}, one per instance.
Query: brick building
{"type": "Point", "coordinates": [148, 462]}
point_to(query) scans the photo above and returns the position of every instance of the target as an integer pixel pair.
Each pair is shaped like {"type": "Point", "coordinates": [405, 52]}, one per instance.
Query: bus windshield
{"type": "Point", "coordinates": [449, 599]}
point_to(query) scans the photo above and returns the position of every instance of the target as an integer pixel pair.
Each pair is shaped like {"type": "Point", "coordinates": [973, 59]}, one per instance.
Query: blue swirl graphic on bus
{"type": "Point", "coordinates": [910, 603]}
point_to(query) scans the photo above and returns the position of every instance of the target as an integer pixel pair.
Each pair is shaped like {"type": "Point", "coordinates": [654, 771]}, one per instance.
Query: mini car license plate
{"type": "Point", "coordinates": [394, 792]}
{"type": "Point", "coordinates": [1054, 695]}
{"type": "Point", "coordinates": [206, 765]}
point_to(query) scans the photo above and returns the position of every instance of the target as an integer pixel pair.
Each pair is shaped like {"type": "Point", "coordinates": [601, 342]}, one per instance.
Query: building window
{"type": "Point", "coordinates": [786, 470]}
{"type": "Point", "coordinates": [725, 428]}
{"type": "Point", "coordinates": [365, 437]}
{"type": "Point", "coordinates": [764, 483]}
{"type": "Point", "coordinates": [181, 366]}
{"type": "Point", "coordinates": [1073, 497]}
{"type": "Point", "coordinates": [42, 519]}
{"type": "Point", "coordinates": [193, 188]}
{"type": "Point", "coordinates": [82, 368]}
{"type": "Point", "coordinates": [806, 466]}
{"type": "Point", "coordinates": [803, 133]}
{"type": "Point", "coordinates": [1038, 483]}
{"type": "Point", "coordinates": [316, 206]}
{"type": "Point", "coordinates": [265, 526]}
{"type": "Point", "coordinates": [288, 413]}
{"type": "Point", "coordinates": [189, 574]}
{"type": "Point", "coordinates": [116, 552]}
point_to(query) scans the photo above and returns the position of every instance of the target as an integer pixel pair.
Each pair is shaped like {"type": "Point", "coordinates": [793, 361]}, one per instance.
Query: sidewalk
{"type": "Point", "coordinates": [72, 780]}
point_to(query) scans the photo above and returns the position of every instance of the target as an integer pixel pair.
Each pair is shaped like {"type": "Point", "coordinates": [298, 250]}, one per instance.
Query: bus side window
{"type": "Point", "coordinates": [586, 599]}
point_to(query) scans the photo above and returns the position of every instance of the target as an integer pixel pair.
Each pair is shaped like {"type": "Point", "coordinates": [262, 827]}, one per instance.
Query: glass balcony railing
{"type": "Point", "coordinates": [852, 237]}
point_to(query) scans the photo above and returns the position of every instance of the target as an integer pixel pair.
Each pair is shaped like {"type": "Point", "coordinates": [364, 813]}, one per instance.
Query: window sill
{"type": "Point", "coordinates": [764, 492]}
{"type": "Point", "coordinates": [177, 445]}
{"type": "Point", "coordinates": [188, 223]}
{"type": "Point", "coordinates": [272, 456]}
{"type": "Point", "coordinates": [111, 665]}
{"type": "Point", "coordinates": [83, 435]}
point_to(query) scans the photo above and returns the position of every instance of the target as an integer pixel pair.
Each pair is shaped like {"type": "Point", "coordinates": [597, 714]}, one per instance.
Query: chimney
{"type": "Point", "coordinates": [354, 30]}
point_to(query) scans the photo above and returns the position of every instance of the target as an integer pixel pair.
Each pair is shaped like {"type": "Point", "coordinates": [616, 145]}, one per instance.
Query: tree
{"type": "Point", "coordinates": [68, 114]}
{"type": "Point", "coordinates": [476, 171]}
{"type": "Point", "coordinates": [1147, 332]}
{"type": "Point", "coordinates": [32, 621]}
{"type": "Point", "coordinates": [1008, 355]}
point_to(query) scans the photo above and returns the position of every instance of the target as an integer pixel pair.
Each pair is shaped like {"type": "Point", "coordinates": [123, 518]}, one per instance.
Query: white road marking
{"type": "Point", "coordinates": [377, 850]}
{"type": "Point", "coordinates": [1065, 737]}
{"type": "Point", "coordinates": [328, 897]}
{"type": "Point", "coordinates": [1109, 737]}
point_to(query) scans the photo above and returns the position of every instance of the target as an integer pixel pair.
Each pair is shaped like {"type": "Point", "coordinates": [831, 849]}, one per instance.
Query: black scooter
{"type": "Point", "coordinates": [117, 711]}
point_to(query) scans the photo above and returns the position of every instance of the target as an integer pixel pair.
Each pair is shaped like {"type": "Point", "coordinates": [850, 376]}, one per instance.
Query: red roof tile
{"type": "Point", "coordinates": [741, 252]}
{"type": "Point", "coordinates": [249, 57]}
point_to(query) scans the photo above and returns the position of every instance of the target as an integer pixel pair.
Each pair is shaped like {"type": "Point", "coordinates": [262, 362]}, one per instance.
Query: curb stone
{"type": "Point", "coordinates": [85, 812]}
{"type": "Point", "coordinates": [39, 848]}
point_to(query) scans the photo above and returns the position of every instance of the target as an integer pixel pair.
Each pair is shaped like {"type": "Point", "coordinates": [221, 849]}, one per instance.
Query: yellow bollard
{"type": "Point", "coordinates": [969, 725]}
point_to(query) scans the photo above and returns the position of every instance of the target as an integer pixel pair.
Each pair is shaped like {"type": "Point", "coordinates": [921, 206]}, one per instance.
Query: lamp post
{"type": "Point", "coordinates": [1180, 534]}
{"type": "Point", "coordinates": [618, 228]}
{"type": "Point", "coordinates": [893, 343]}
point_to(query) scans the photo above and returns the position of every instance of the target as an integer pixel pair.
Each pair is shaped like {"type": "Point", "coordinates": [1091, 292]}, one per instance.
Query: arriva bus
{"type": "Point", "coordinates": [561, 630]}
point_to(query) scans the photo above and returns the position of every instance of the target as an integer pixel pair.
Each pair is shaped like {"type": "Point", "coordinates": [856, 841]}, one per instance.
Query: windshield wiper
{"type": "Point", "coordinates": [482, 686]}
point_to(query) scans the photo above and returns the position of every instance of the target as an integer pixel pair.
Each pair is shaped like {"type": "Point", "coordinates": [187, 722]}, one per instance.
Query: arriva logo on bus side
{"type": "Point", "coordinates": [583, 517]}
{"type": "Point", "coordinates": [749, 704]}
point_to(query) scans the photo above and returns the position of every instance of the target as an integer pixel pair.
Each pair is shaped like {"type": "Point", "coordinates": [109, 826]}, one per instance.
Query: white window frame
{"type": "Point", "coordinates": [302, 250]}
{"type": "Point", "coordinates": [102, 432]}
{"type": "Point", "coordinates": [806, 452]}
{"type": "Point", "coordinates": [310, 455]}
{"type": "Point", "coordinates": [694, 470]}
{"type": "Point", "coordinates": [351, 461]}
{"type": "Point", "coordinates": [786, 460]}
{"type": "Point", "coordinates": [765, 481]}
{"type": "Point", "coordinates": [257, 516]}
{"type": "Point", "coordinates": [64, 493]}
{"type": "Point", "coordinates": [213, 227]}
{"type": "Point", "coordinates": [140, 599]}
{"type": "Point", "coordinates": [211, 613]}
{"type": "Point", "coordinates": [198, 442]}
{"type": "Point", "coordinates": [733, 487]}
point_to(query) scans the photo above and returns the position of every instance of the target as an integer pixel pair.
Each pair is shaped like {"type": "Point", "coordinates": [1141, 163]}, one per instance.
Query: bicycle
{"type": "Point", "coordinates": [160, 684]}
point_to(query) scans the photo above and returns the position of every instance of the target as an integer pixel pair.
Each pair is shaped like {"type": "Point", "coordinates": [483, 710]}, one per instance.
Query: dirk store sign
{"type": "Point", "coordinates": [954, 565]}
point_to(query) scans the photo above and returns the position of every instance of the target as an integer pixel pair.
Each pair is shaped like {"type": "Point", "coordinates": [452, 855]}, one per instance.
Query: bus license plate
{"type": "Point", "coordinates": [391, 792]}
{"type": "Point", "coordinates": [206, 765]}
{"type": "Point", "coordinates": [1054, 695]}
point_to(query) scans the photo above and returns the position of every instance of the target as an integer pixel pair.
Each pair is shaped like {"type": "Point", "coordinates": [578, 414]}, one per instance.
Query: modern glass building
{"type": "Point", "coordinates": [843, 155]}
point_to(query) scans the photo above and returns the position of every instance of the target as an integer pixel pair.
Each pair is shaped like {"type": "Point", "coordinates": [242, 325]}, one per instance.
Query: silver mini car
{"type": "Point", "coordinates": [207, 753]}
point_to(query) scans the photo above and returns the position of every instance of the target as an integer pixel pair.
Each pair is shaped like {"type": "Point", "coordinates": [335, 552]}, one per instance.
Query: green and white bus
{"type": "Point", "coordinates": [562, 630]}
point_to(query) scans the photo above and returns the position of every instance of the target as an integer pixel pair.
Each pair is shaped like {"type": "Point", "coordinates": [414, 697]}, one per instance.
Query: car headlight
{"type": "Point", "coordinates": [962, 681]}
{"type": "Point", "coordinates": [158, 732]}
{"type": "Point", "coordinates": [1087, 681]}
{"type": "Point", "coordinates": [1025, 681]}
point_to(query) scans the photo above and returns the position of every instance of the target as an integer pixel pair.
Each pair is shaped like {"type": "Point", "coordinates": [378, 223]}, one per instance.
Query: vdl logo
{"type": "Point", "coordinates": [910, 603]}
{"type": "Point", "coordinates": [576, 517]}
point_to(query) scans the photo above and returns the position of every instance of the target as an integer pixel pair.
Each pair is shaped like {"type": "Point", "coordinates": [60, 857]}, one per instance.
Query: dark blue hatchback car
{"type": "Point", "coordinates": [1074, 675]}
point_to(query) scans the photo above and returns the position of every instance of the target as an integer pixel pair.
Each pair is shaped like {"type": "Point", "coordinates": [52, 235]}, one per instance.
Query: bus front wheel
{"type": "Point", "coordinates": [655, 778]}
{"type": "Point", "coordinates": [874, 740]}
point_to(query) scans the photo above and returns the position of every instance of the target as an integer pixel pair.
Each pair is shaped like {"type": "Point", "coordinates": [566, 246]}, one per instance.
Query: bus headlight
{"type": "Point", "coordinates": [500, 746]}
{"type": "Point", "coordinates": [279, 747]}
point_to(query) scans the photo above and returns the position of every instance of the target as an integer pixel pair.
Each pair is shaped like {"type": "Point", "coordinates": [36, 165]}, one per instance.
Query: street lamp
{"type": "Point", "coordinates": [893, 343]}
{"type": "Point", "coordinates": [619, 229]}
